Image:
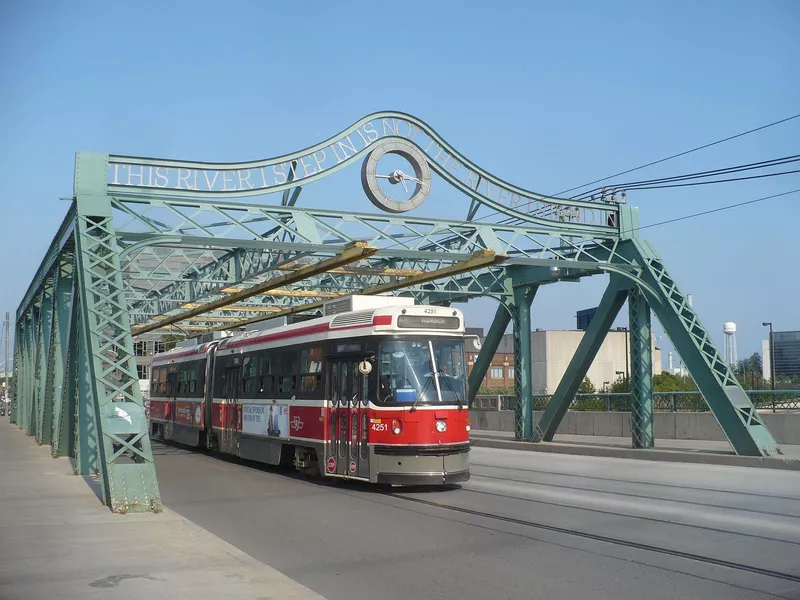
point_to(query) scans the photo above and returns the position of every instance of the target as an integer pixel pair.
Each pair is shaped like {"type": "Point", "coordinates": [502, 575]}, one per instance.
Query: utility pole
{"type": "Point", "coordinates": [8, 329]}
{"type": "Point", "coordinates": [771, 354]}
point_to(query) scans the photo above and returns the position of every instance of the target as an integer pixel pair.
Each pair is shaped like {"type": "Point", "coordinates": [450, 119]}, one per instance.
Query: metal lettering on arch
{"type": "Point", "coordinates": [372, 136]}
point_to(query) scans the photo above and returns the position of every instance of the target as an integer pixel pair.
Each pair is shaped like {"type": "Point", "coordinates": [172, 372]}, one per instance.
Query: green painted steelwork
{"type": "Point", "coordinates": [63, 326]}
{"type": "Point", "coordinates": [489, 348]}
{"type": "Point", "coordinates": [736, 415]}
{"type": "Point", "coordinates": [610, 305]}
{"type": "Point", "coordinates": [523, 359]}
{"type": "Point", "coordinates": [145, 239]}
{"type": "Point", "coordinates": [641, 374]}
{"type": "Point", "coordinates": [43, 363]}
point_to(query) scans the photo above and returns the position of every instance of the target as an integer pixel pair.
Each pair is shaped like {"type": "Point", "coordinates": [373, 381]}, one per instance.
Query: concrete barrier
{"type": "Point", "coordinates": [676, 426]}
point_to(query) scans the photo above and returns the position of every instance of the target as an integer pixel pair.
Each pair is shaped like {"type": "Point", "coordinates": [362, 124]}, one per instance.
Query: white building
{"type": "Point", "coordinates": [553, 350]}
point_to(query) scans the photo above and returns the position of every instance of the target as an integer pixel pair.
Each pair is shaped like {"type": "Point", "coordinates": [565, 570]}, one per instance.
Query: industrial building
{"type": "Point", "coordinates": [552, 351]}
{"type": "Point", "coordinates": [787, 355]}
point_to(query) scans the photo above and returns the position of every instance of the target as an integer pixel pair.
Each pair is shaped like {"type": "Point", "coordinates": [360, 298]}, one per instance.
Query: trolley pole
{"type": "Point", "coordinates": [8, 329]}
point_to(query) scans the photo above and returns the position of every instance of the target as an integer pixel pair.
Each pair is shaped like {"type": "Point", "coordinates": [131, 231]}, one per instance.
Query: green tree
{"type": "Point", "coordinates": [749, 371]}
{"type": "Point", "coordinates": [586, 387]}
{"type": "Point", "coordinates": [669, 382]}
{"type": "Point", "coordinates": [751, 363]}
{"type": "Point", "coordinates": [618, 386]}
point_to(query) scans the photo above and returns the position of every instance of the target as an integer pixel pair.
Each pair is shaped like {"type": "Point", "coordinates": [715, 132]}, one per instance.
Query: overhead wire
{"type": "Point", "coordinates": [697, 175]}
{"type": "Point", "coordinates": [703, 147]}
{"type": "Point", "coordinates": [716, 210]}
{"type": "Point", "coordinates": [649, 164]}
{"type": "Point", "coordinates": [676, 185]}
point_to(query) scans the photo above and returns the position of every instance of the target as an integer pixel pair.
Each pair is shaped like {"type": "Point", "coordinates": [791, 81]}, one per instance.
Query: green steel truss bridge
{"type": "Point", "coordinates": [188, 248]}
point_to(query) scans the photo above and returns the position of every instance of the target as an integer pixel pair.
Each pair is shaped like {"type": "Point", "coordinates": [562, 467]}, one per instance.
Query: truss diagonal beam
{"type": "Point", "coordinates": [610, 305]}
{"type": "Point", "coordinates": [353, 253]}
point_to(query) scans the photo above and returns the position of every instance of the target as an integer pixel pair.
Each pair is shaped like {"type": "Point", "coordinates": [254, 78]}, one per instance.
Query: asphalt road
{"type": "Point", "coordinates": [528, 525]}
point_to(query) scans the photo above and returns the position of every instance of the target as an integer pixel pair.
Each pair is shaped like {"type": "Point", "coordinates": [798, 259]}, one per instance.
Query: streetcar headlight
{"type": "Point", "coordinates": [441, 426]}
{"type": "Point", "coordinates": [469, 427]}
{"type": "Point", "coordinates": [397, 428]}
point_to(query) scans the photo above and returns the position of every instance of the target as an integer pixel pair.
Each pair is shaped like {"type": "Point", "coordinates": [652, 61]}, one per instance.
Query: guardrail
{"type": "Point", "coordinates": [662, 401]}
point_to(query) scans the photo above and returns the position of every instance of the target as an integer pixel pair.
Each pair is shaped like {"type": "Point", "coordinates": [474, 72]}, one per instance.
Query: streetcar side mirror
{"type": "Point", "coordinates": [474, 341]}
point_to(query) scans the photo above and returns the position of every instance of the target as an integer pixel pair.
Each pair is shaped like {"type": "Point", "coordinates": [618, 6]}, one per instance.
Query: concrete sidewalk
{"type": "Point", "coordinates": [694, 451]}
{"type": "Point", "coordinates": [58, 541]}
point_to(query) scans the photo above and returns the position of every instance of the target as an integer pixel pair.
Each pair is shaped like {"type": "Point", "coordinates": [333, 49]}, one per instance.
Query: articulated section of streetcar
{"type": "Point", "coordinates": [376, 394]}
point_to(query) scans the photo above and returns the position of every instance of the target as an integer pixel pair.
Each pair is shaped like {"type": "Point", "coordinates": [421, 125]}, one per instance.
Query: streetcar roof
{"type": "Point", "coordinates": [388, 320]}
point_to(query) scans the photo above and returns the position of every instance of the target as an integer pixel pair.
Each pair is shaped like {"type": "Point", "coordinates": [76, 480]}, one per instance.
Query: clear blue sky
{"type": "Point", "coordinates": [547, 95]}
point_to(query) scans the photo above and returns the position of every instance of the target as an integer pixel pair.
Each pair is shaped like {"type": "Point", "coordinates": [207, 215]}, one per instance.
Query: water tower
{"type": "Point", "coordinates": [729, 329]}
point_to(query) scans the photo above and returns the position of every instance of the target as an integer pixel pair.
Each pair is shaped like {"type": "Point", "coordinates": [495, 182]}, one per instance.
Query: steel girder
{"type": "Point", "coordinates": [652, 285]}
{"type": "Point", "coordinates": [610, 305]}
{"type": "Point", "coordinates": [523, 359]}
{"type": "Point", "coordinates": [404, 245]}
{"type": "Point", "coordinates": [641, 379]}
{"type": "Point", "coordinates": [149, 250]}
{"type": "Point", "coordinates": [496, 331]}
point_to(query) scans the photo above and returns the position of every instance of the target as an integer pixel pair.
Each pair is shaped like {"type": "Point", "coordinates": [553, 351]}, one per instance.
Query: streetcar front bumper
{"type": "Point", "coordinates": [409, 465]}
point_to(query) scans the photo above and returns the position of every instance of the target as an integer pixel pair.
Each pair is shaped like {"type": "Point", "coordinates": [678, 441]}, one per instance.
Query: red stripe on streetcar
{"type": "Point", "coordinates": [305, 331]}
{"type": "Point", "coordinates": [281, 335]}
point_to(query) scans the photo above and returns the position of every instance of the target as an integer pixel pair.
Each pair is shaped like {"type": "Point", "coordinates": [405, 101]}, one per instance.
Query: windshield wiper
{"type": "Point", "coordinates": [420, 395]}
{"type": "Point", "coordinates": [453, 391]}
{"type": "Point", "coordinates": [435, 374]}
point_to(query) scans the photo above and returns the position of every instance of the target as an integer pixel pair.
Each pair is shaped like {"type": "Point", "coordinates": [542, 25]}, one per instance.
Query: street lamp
{"type": "Point", "coordinates": [771, 355]}
{"type": "Point", "coordinates": [625, 331]}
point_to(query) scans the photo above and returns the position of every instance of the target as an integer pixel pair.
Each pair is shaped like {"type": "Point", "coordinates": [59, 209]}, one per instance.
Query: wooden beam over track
{"type": "Point", "coordinates": [479, 260]}
{"type": "Point", "coordinates": [352, 253]}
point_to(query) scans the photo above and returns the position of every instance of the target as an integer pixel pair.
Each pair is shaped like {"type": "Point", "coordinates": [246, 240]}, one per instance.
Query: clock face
{"type": "Point", "coordinates": [396, 176]}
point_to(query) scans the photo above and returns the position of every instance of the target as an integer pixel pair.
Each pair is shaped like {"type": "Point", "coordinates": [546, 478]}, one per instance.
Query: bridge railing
{"type": "Point", "coordinates": [662, 401]}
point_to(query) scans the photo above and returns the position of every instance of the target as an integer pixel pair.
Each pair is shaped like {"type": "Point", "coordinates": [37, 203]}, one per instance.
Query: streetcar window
{"type": "Point", "coordinates": [288, 372]}
{"type": "Point", "coordinates": [343, 381]}
{"type": "Point", "coordinates": [193, 379]}
{"type": "Point", "coordinates": [249, 374]}
{"type": "Point", "coordinates": [407, 373]}
{"type": "Point", "coordinates": [266, 374]}
{"type": "Point", "coordinates": [335, 382]}
{"type": "Point", "coordinates": [162, 381]}
{"type": "Point", "coordinates": [159, 385]}
{"type": "Point", "coordinates": [183, 383]}
{"type": "Point", "coordinates": [310, 369]}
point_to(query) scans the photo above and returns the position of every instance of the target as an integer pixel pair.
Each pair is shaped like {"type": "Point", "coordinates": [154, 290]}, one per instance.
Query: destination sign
{"type": "Point", "coordinates": [427, 322]}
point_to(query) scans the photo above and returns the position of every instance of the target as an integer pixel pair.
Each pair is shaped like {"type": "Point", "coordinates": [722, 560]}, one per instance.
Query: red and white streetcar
{"type": "Point", "coordinates": [375, 391]}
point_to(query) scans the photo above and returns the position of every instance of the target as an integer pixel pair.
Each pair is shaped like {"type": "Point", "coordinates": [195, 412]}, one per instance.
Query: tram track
{"type": "Point", "coordinates": [604, 539]}
{"type": "Point", "coordinates": [632, 495]}
{"type": "Point", "coordinates": [360, 491]}
{"type": "Point", "coordinates": [634, 481]}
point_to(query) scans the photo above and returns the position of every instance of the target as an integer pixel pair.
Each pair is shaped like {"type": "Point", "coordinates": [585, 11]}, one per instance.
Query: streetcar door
{"type": "Point", "coordinates": [172, 397]}
{"type": "Point", "coordinates": [347, 451]}
{"type": "Point", "coordinates": [230, 418]}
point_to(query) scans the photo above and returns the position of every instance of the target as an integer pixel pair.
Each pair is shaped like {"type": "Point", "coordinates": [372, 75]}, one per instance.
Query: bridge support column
{"type": "Point", "coordinates": [61, 388]}
{"type": "Point", "coordinates": [29, 335]}
{"type": "Point", "coordinates": [610, 305]}
{"type": "Point", "coordinates": [523, 389]}
{"type": "Point", "coordinates": [502, 317]}
{"type": "Point", "coordinates": [641, 381]}
{"type": "Point", "coordinates": [112, 426]}
{"type": "Point", "coordinates": [16, 391]}
{"type": "Point", "coordinates": [42, 368]}
{"type": "Point", "coordinates": [734, 411]}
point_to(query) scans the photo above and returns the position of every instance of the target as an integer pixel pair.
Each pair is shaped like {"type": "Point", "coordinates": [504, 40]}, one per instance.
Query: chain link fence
{"type": "Point", "coordinates": [779, 400]}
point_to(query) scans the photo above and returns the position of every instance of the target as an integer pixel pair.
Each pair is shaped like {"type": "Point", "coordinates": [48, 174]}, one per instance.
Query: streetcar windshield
{"type": "Point", "coordinates": [423, 371]}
